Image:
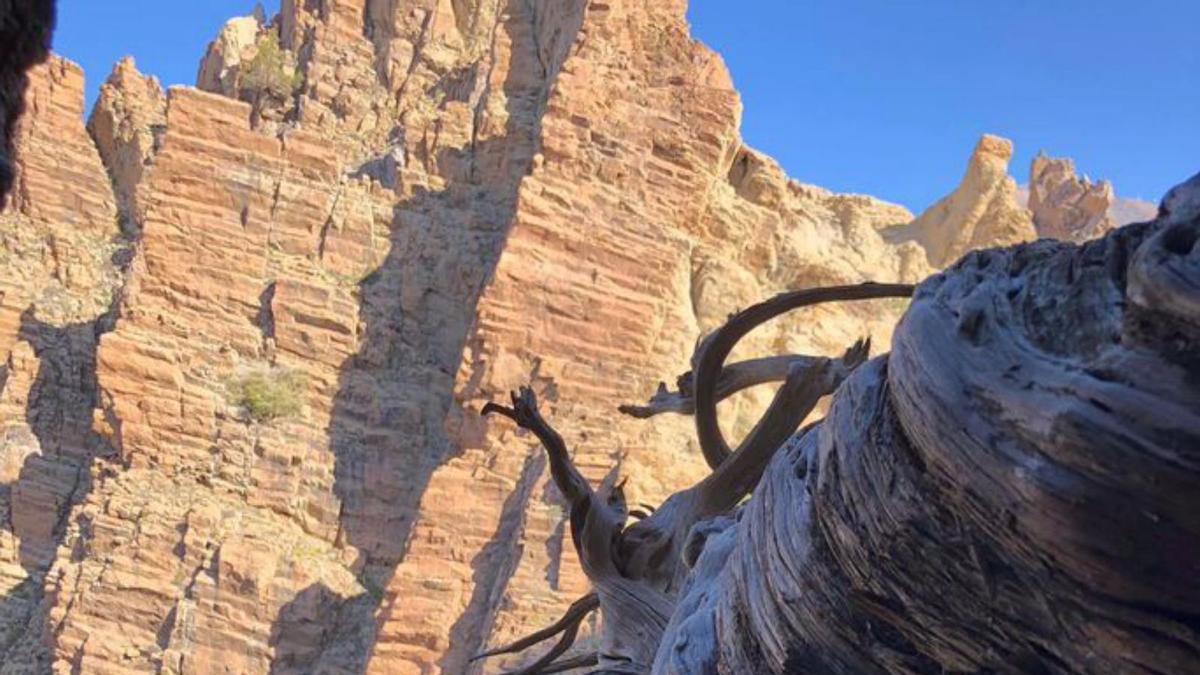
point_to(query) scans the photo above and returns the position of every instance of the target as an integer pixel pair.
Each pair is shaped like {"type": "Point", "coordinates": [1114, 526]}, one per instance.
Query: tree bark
{"type": "Point", "coordinates": [1014, 489]}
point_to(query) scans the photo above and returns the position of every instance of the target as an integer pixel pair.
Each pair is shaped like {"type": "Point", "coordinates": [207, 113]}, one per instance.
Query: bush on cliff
{"type": "Point", "coordinates": [269, 394]}
{"type": "Point", "coordinates": [269, 72]}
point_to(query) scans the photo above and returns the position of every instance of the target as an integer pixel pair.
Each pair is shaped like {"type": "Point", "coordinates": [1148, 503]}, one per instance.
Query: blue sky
{"type": "Point", "coordinates": [884, 97]}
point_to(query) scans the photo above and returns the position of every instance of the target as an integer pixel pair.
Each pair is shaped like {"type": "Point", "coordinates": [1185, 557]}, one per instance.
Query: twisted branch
{"type": "Point", "coordinates": [739, 376]}
{"type": "Point", "coordinates": [713, 350]}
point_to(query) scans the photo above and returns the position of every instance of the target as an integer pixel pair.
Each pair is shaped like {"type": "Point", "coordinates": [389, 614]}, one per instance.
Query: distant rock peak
{"type": "Point", "coordinates": [1064, 205]}
{"type": "Point", "coordinates": [982, 211]}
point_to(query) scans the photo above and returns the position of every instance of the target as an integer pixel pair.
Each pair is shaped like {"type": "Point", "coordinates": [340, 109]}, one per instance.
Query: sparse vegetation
{"type": "Point", "coordinates": [898, 305]}
{"type": "Point", "coordinates": [270, 72]}
{"type": "Point", "coordinates": [269, 394]}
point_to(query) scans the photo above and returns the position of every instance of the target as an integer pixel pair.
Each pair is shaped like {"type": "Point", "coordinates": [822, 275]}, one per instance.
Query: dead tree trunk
{"type": "Point", "coordinates": [1014, 489]}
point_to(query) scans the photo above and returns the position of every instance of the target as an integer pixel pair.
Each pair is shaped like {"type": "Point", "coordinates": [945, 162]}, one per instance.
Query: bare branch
{"type": "Point", "coordinates": [524, 412]}
{"type": "Point", "coordinates": [714, 349]}
{"type": "Point", "coordinates": [737, 476]}
{"type": "Point", "coordinates": [743, 375]}
{"type": "Point", "coordinates": [580, 661]}
{"type": "Point", "coordinates": [574, 615]}
{"type": "Point", "coordinates": [596, 518]}
{"type": "Point", "coordinates": [546, 661]}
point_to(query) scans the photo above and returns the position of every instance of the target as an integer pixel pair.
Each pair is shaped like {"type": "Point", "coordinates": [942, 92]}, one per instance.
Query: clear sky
{"type": "Point", "coordinates": [884, 97]}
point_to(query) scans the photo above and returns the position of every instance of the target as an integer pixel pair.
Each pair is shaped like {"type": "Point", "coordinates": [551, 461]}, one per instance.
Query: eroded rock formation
{"type": "Point", "coordinates": [981, 211]}
{"type": "Point", "coordinates": [450, 199]}
{"type": "Point", "coordinates": [125, 124]}
{"type": "Point", "coordinates": [61, 254]}
{"type": "Point", "coordinates": [1065, 206]}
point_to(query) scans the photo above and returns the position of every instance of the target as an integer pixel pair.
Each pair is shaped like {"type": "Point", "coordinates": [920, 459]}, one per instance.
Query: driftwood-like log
{"type": "Point", "coordinates": [1014, 489]}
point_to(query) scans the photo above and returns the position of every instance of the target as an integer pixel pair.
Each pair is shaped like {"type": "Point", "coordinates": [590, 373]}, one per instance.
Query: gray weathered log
{"type": "Point", "coordinates": [1015, 488]}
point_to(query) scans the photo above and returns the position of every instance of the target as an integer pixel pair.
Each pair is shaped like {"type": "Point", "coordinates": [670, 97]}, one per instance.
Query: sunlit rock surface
{"type": "Point", "coordinates": [455, 198]}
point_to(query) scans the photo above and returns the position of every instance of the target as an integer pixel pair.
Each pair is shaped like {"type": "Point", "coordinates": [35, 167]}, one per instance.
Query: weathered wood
{"type": "Point", "coordinates": [637, 570]}
{"type": "Point", "coordinates": [710, 356]}
{"type": "Point", "coordinates": [1015, 488]}
{"type": "Point", "coordinates": [742, 375]}
{"type": "Point", "coordinates": [567, 625]}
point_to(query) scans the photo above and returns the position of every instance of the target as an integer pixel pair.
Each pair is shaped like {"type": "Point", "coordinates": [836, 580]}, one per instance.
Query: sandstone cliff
{"type": "Point", "coordinates": [61, 254]}
{"type": "Point", "coordinates": [25, 30]}
{"type": "Point", "coordinates": [448, 199]}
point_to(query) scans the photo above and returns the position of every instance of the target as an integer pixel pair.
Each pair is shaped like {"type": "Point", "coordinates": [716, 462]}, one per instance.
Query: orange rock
{"type": "Point", "coordinates": [461, 197]}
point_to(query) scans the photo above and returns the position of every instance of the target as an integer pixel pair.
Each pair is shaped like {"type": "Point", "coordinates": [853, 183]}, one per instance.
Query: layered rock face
{"type": "Point", "coordinates": [60, 256]}
{"type": "Point", "coordinates": [447, 199]}
{"type": "Point", "coordinates": [125, 124]}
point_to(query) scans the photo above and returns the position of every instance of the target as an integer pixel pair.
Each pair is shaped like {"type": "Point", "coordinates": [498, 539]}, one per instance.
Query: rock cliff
{"type": "Point", "coordinates": [61, 251]}
{"type": "Point", "coordinates": [25, 30]}
{"type": "Point", "coordinates": [387, 212]}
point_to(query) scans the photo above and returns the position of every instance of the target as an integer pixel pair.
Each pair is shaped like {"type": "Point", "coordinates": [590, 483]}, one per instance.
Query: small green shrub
{"type": "Point", "coordinates": [270, 394]}
{"type": "Point", "coordinates": [898, 305]}
{"type": "Point", "coordinates": [269, 72]}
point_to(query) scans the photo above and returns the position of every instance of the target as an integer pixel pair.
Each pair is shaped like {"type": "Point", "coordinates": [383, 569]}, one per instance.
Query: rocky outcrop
{"type": "Point", "coordinates": [235, 45]}
{"type": "Point", "coordinates": [1065, 206]}
{"type": "Point", "coordinates": [128, 116]}
{"type": "Point", "coordinates": [982, 211]}
{"type": "Point", "coordinates": [458, 198]}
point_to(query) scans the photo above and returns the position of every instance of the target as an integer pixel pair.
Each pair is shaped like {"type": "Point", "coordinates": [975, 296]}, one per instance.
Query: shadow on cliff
{"type": "Point", "coordinates": [55, 471]}
{"type": "Point", "coordinates": [387, 430]}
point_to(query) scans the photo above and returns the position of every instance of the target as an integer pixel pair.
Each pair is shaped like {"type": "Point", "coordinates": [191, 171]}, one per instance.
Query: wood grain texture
{"type": "Point", "coordinates": [1015, 488]}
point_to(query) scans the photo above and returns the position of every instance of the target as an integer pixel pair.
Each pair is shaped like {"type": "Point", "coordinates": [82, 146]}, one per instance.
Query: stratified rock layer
{"type": "Point", "coordinates": [60, 253]}
{"type": "Point", "coordinates": [460, 197]}
{"type": "Point", "coordinates": [25, 29]}
{"type": "Point", "coordinates": [129, 113]}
